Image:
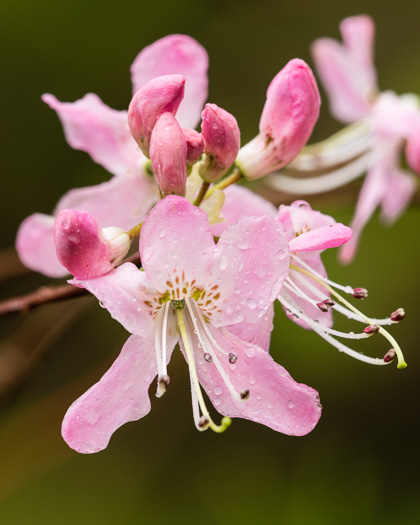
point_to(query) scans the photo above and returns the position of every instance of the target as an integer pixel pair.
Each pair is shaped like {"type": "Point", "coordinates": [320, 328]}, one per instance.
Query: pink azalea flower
{"type": "Point", "coordinates": [191, 291]}
{"type": "Point", "coordinates": [349, 76]}
{"type": "Point", "coordinates": [91, 126]}
{"type": "Point", "coordinates": [308, 295]}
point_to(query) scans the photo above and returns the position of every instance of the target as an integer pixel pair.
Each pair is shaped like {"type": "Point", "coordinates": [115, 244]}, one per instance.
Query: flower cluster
{"type": "Point", "coordinates": [214, 257]}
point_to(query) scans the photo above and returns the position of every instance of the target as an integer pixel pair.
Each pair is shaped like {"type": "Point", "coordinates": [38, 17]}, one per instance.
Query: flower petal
{"type": "Point", "coordinates": [250, 264]}
{"type": "Point", "coordinates": [176, 54]}
{"type": "Point", "coordinates": [119, 397]}
{"type": "Point", "coordinates": [35, 245]}
{"type": "Point", "coordinates": [258, 333]}
{"type": "Point", "coordinates": [127, 295]}
{"type": "Point", "coordinates": [176, 245]}
{"type": "Point", "coordinates": [122, 201]}
{"type": "Point", "coordinates": [275, 399]}
{"type": "Point", "coordinates": [92, 126]}
{"type": "Point", "coordinates": [322, 238]}
{"type": "Point", "coordinates": [242, 202]}
{"type": "Point", "coordinates": [400, 188]}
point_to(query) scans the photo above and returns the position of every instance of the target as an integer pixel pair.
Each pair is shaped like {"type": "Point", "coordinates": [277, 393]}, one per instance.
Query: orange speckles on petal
{"type": "Point", "coordinates": [168, 283]}
{"type": "Point", "coordinates": [217, 296]}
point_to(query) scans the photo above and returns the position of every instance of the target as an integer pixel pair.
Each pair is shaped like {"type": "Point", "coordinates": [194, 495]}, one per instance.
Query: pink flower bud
{"type": "Point", "coordinates": [168, 153]}
{"type": "Point", "coordinates": [288, 118]}
{"type": "Point", "coordinates": [221, 142]}
{"type": "Point", "coordinates": [195, 145]}
{"type": "Point", "coordinates": [160, 95]}
{"type": "Point", "coordinates": [83, 248]}
{"type": "Point", "coordinates": [413, 152]}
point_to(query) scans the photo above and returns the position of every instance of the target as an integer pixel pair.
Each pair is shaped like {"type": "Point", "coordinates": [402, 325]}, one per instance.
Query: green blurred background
{"type": "Point", "coordinates": [361, 463]}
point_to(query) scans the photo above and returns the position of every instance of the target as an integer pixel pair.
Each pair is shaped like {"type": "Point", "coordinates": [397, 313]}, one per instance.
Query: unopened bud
{"type": "Point", "coordinates": [221, 142]}
{"type": "Point", "coordinates": [203, 423]}
{"type": "Point", "coordinates": [83, 248]}
{"type": "Point", "coordinates": [360, 293]}
{"type": "Point", "coordinates": [371, 329]}
{"type": "Point", "coordinates": [168, 153]}
{"type": "Point", "coordinates": [232, 358]}
{"type": "Point", "coordinates": [244, 393]}
{"type": "Point", "coordinates": [195, 145]}
{"type": "Point", "coordinates": [158, 96]}
{"type": "Point", "coordinates": [208, 358]}
{"type": "Point", "coordinates": [390, 356]}
{"type": "Point", "coordinates": [163, 383]}
{"type": "Point", "coordinates": [398, 315]}
{"type": "Point", "coordinates": [289, 115]}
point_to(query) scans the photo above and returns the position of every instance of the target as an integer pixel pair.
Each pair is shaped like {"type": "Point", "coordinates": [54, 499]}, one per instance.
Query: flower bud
{"type": "Point", "coordinates": [288, 118]}
{"type": "Point", "coordinates": [83, 248]}
{"type": "Point", "coordinates": [221, 142]}
{"type": "Point", "coordinates": [160, 95]}
{"type": "Point", "coordinates": [195, 145]}
{"type": "Point", "coordinates": [168, 153]}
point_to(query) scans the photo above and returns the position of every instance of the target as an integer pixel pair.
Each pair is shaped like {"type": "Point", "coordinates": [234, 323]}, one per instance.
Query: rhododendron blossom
{"type": "Point", "coordinates": [191, 291]}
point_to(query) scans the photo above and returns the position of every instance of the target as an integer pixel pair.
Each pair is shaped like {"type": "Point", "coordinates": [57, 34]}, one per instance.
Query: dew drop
{"type": "Point", "coordinates": [218, 390]}
{"type": "Point", "coordinates": [162, 234]}
{"type": "Point", "coordinates": [251, 303]}
{"type": "Point", "coordinates": [290, 404]}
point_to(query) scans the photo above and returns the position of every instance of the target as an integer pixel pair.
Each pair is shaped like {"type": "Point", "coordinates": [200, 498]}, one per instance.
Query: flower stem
{"type": "Point", "coordinates": [135, 231]}
{"type": "Point", "coordinates": [203, 190]}
{"type": "Point", "coordinates": [235, 176]}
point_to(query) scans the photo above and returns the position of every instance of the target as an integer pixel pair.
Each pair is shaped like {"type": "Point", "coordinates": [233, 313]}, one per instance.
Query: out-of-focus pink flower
{"type": "Point", "coordinates": [349, 77]}
{"type": "Point", "coordinates": [160, 95]}
{"type": "Point", "coordinates": [288, 118]}
{"type": "Point", "coordinates": [86, 250]}
{"type": "Point", "coordinates": [91, 126]}
{"type": "Point", "coordinates": [168, 153]}
{"type": "Point", "coordinates": [221, 142]}
{"type": "Point", "coordinates": [190, 291]}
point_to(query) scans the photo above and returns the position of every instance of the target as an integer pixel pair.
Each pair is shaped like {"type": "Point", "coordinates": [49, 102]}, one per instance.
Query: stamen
{"type": "Point", "coordinates": [371, 329]}
{"type": "Point", "coordinates": [208, 357]}
{"type": "Point", "coordinates": [194, 378]}
{"type": "Point", "coordinates": [244, 394]}
{"type": "Point", "coordinates": [389, 356]}
{"type": "Point", "coordinates": [163, 382]}
{"type": "Point", "coordinates": [360, 293]}
{"type": "Point", "coordinates": [395, 346]}
{"type": "Point", "coordinates": [204, 423]}
{"type": "Point", "coordinates": [322, 332]}
{"type": "Point", "coordinates": [398, 315]}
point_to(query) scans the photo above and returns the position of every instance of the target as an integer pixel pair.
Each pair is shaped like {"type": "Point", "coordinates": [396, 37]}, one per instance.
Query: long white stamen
{"type": "Point", "coordinates": [337, 333]}
{"type": "Point", "coordinates": [293, 287]}
{"type": "Point", "coordinates": [208, 344]}
{"type": "Point", "coordinates": [164, 333]}
{"type": "Point", "coordinates": [320, 330]}
{"type": "Point", "coordinates": [194, 378]}
{"type": "Point", "coordinates": [395, 346]}
{"type": "Point", "coordinates": [321, 183]}
{"type": "Point", "coordinates": [158, 349]}
{"type": "Point", "coordinates": [347, 289]}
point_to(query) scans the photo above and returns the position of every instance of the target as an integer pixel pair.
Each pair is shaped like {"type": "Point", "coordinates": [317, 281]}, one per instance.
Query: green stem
{"type": "Point", "coordinates": [135, 231]}
{"type": "Point", "coordinates": [203, 190]}
{"type": "Point", "coordinates": [231, 179]}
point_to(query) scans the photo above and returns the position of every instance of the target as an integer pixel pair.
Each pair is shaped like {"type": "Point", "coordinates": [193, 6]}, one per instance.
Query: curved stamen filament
{"type": "Point", "coordinates": [164, 332]}
{"type": "Point", "coordinates": [395, 346]}
{"type": "Point", "coordinates": [208, 343]}
{"type": "Point", "coordinates": [322, 332]}
{"type": "Point", "coordinates": [347, 289]}
{"type": "Point", "coordinates": [322, 327]}
{"type": "Point", "coordinates": [194, 378]}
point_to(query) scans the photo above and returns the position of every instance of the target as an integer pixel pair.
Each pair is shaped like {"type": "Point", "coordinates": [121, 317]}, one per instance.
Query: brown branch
{"type": "Point", "coordinates": [47, 294]}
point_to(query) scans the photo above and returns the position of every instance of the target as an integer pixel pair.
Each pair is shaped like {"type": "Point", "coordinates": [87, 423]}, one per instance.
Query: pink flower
{"type": "Point", "coordinates": [288, 118]}
{"type": "Point", "coordinates": [91, 126]}
{"type": "Point", "coordinates": [349, 76]}
{"type": "Point", "coordinates": [191, 291]}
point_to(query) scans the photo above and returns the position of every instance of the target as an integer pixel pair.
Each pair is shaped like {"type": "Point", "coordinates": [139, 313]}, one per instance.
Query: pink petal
{"type": "Point", "coordinates": [400, 189]}
{"type": "Point", "coordinates": [195, 145]}
{"type": "Point", "coordinates": [119, 397]}
{"type": "Point", "coordinates": [91, 126]}
{"type": "Point", "coordinates": [322, 238]}
{"type": "Point", "coordinates": [138, 193]}
{"type": "Point", "coordinates": [176, 245]}
{"type": "Point", "coordinates": [348, 85]}
{"type": "Point", "coordinates": [242, 202]}
{"type": "Point", "coordinates": [358, 34]}
{"type": "Point", "coordinates": [176, 54]}
{"type": "Point", "coordinates": [299, 218]}
{"type": "Point", "coordinates": [35, 245]}
{"type": "Point", "coordinates": [80, 245]}
{"type": "Point", "coordinates": [258, 333]}
{"type": "Point", "coordinates": [413, 152]}
{"type": "Point", "coordinates": [127, 295]}
{"type": "Point", "coordinates": [250, 264]}
{"type": "Point", "coordinates": [275, 399]}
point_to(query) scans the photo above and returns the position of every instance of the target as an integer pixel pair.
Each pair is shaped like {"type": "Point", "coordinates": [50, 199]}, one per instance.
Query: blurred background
{"type": "Point", "coordinates": [361, 463]}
